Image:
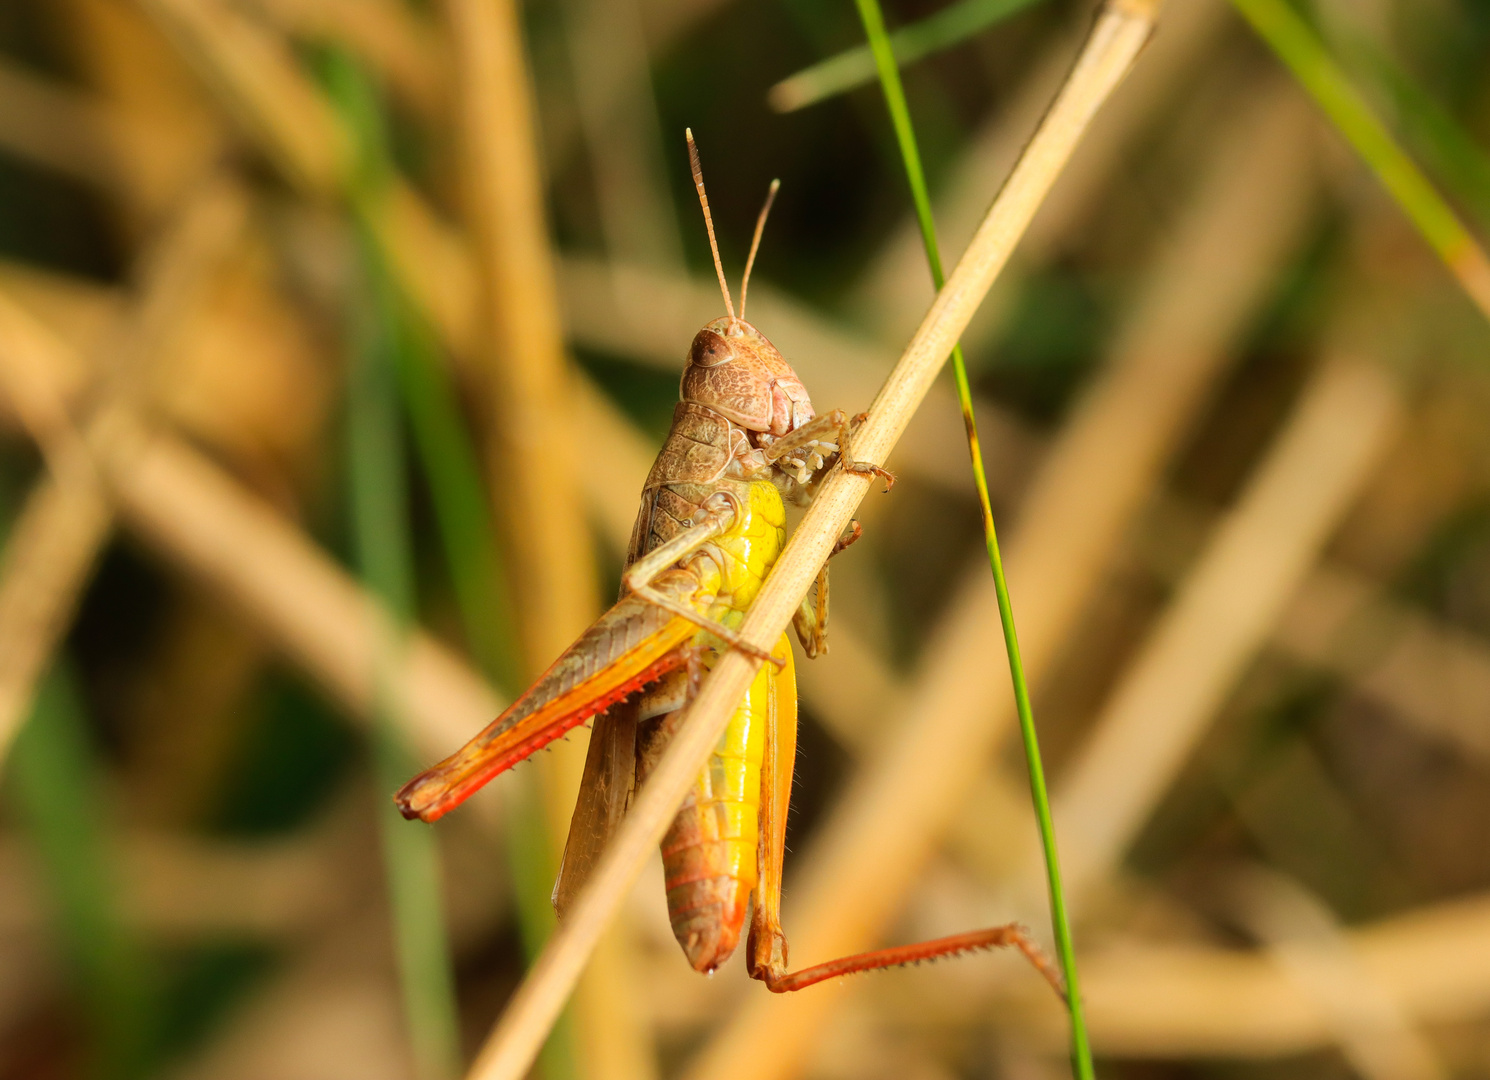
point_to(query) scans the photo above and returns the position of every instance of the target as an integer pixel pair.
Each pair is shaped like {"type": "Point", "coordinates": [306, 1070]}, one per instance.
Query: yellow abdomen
{"type": "Point", "coordinates": [709, 853]}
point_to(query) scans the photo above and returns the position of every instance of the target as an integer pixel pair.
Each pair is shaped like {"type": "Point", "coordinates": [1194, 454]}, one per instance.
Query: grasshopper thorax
{"type": "Point", "coordinates": [735, 371]}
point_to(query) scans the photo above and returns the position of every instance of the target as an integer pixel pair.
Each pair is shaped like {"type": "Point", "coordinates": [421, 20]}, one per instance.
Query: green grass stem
{"type": "Point", "coordinates": [855, 67]}
{"type": "Point", "coordinates": [449, 463]}
{"type": "Point", "coordinates": [1448, 150]}
{"type": "Point", "coordinates": [56, 786]}
{"type": "Point", "coordinates": [384, 558]}
{"type": "Point", "coordinates": [1301, 50]}
{"type": "Point", "coordinates": [905, 136]}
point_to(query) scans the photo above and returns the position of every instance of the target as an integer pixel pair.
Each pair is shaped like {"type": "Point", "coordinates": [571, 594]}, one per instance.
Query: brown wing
{"type": "Point", "coordinates": [631, 645]}
{"type": "Point", "coordinates": [697, 451]}
{"type": "Point", "coordinates": [610, 765]}
{"type": "Point", "coordinates": [642, 529]}
{"type": "Point", "coordinates": [604, 794]}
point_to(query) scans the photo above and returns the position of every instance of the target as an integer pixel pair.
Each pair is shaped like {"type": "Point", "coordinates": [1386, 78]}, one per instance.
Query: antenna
{"type": "Point", "coordinates": [760, 227]}
{"type": "Point", "coordinates": [703, 199]}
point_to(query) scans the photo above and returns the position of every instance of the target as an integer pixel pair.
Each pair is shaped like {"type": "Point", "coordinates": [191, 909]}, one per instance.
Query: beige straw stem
{"type": "Point", "coordinates": [209, 523]}
{"type": "Point", "coordinates": [532, 457]}
{"type": "Point", "coordinates": [1179, 1000]}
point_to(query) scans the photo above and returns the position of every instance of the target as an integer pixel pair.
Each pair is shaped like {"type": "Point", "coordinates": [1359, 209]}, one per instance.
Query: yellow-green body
{"type": "Point", "coordinates": [709, 853]}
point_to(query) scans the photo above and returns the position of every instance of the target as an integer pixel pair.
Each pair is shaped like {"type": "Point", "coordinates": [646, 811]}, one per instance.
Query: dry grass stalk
{"type": "Point", "coordinates": [1208, 281]}
{"type": "Point", "coordinates": [66, 519]}
{"type": "Point", "coordinates": [533, 445]}
{"type": "Point", "coordinates": [1173, 348]}
{"type": "Point", "coordinates": [137, 70]}
{"type": "Point", "coordinates": [258, 80]}
{"type": "Point", "coordinates": [1223, 612]}
{"type": "Point", "coordinates": [1189, 35]}
{"type": "Point", "coordinates": [404, 48]}
{"type": "Point", "coordinates": [1427, 672]}
{"type": "Point", "coordinates": [615, 1040]}
{"type": "Point", "coordinates": [206, 521]}
{"type": "Point", "coordinates": [533, 457]}
{"type": "Point", "coordinates": [144, 125]}
{"type": "Point", "coordinates": [85, 139]}
{"type": "Point", "coordinates": [1114, 44]}
{"type": "Point", "coordinates": [1169, 1001]}
{"type": "Point", "coordinates": [82, 314]}
{"type": "Point", "coordinates": [618, 115]}
{"type": "Point", "coordinates": [896, 287]}
{"type": "Point", "coordinates": [433, 266]}
{"type": "Point", "coordinates": [51, 551]}
{"type": "Point", "coordinates": [1089, 486]}
{"type": "Point", "coordinates": [1375, 1035]}
{"type": "Point", "coordinates": [209, 524]}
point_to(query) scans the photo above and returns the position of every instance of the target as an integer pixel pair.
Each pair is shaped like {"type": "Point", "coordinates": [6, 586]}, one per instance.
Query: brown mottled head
{"type": "Point", "coordinates": [731, 367]}
{"type": "Point", "coordinates": [735, 371]}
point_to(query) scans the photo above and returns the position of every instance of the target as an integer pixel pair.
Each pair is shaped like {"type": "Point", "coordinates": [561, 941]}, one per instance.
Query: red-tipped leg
{"type": "Point", "coordinates": [782, 982]}
{"type": "Point", "coordinates": [865, 468]}
{"type": "Point", "coordinates": [850, 534]}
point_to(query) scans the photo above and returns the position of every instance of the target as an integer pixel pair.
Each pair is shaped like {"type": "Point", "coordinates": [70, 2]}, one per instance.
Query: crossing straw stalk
{"type": "Point", "coordinates": [1119, 33]}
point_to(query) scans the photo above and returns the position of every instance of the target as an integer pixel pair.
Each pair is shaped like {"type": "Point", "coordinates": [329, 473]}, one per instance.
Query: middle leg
{"type": "Point", "coordinates": [811, 620]}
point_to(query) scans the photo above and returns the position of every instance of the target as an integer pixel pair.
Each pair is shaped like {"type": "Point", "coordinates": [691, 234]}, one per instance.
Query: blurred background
{"type": "Point", "coordinates": [336, 339]}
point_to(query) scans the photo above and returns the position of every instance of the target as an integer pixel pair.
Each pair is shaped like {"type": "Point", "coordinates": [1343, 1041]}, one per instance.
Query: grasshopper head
{"type": "Point", "coordinates": [732, 368]}
{"type": "Point", "coordinates": [735, 371]}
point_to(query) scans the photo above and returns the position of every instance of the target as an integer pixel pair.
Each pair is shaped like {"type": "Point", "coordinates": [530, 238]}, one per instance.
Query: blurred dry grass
{"type": "Point", "coordinates": [1233, 412]}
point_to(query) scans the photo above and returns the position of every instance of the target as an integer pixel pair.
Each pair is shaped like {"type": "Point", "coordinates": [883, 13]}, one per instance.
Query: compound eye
{"type": "Point", "coordinates": [710, 349]}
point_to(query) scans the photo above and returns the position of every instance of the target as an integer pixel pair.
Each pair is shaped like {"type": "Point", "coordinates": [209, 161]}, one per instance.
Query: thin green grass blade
{"type": "Point", "coordinates": [448, 461]}
{"type": "Point", "coordinates": [383, 550]}
{"type": "Point", "coordinates": [905, 136]}
{"type": "Point", "coordinates": [384, 558]}
{"type": "Point", "coordinates": [447, 458]}
{"type": "Point", "coordinates": [1432, 130]}
{"type": "Point", "coordinates": [55, 784]}
{"type": "Point", "coordinates": [855, 67]}
{"type": "Point", "coordinates": [1296, 44]}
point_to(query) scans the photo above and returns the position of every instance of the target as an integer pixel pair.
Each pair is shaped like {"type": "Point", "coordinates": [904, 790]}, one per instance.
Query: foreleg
{"type": "Point", "coordinates": [824, 434]}
{"type": "Point", "coordinates": [638, 579]}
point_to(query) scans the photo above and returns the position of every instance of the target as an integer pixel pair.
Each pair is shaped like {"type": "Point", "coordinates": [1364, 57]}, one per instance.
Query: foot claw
{"type": "Point", "coordinates": [854, 531]}
{"type": "Point", "coordinates": [865, 468]}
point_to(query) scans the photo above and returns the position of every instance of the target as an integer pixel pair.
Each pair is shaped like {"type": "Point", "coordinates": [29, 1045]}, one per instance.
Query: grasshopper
{"type": "Point", "coordinates": [712, 521]}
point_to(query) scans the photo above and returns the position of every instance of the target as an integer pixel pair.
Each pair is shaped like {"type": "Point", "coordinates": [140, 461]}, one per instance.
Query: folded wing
{"type": "Point", "coordinates": [631, 645]}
